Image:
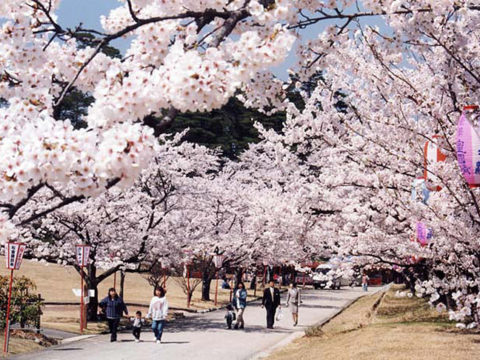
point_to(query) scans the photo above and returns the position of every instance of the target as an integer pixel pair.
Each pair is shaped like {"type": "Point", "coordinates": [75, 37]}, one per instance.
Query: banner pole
{"type": "Point", "coordinates": [81, 300]}
{"type": "Point", "coordinates": [7, 324]}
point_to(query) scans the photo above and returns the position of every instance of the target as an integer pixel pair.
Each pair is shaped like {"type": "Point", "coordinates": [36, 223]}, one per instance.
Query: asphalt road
{"type": "Point", "coordinates": [205, 337]}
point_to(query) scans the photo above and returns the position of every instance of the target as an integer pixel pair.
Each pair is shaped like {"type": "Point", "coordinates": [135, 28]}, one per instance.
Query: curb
{"type": "Point", "coordinates": [76, 338]}
{"type": "Point", "coordinates": [350, 303]}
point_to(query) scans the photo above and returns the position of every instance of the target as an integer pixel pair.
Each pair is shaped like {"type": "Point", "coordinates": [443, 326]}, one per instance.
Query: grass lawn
{"type": "Point", "coordinates": [18, 346]}
{"type": "Point", "coordinates": [55, 284]}
{"type": "Point", "coordinates": [399, 328]}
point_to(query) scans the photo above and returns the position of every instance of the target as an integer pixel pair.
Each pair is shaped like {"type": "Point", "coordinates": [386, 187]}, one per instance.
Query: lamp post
{"type": "Point", "coordinates": [218, 262]}
{"type": "Point", "coordinates": [82, 253]}
{"type": "Point", "coordinates": [13, 256]}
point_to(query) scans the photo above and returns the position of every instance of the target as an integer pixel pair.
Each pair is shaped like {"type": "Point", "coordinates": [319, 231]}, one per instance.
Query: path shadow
{"type": "Point", "coordinates": [67, 349]}
{"type": "Point", "coordinates": [198, 323]}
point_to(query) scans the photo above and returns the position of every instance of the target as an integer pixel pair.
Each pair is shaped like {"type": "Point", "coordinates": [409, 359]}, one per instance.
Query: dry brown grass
{"type": "Point", "coordinates": [55, 283]}
{"type": "Point", "coordinates": [18, 346]}
{"type": "Point", "coordinates": [400, 328]}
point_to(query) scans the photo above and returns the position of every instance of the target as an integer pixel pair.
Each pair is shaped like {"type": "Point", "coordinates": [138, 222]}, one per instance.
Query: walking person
{"type": "Point", "coordinates": [271, 300]}
{"type": "Point", "coordinates": [114, 307]}
{"type": "Point", "coordinates": [365, 282]}
{"type": "Point", "coordinates": [137, 326]}
{"type": "Point", "coordinates": [239, 302]}
{"type": "Point", "coordinates": [293, 301]}
{"type": "Point", "coordinates": [158, 312]}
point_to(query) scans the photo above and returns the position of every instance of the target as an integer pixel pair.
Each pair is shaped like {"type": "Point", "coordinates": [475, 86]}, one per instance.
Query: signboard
{"type": "Point", "coordinates": [82, 253]}
{"type": "Point", "coordinates": [14, 255]}
{"type": "Point", "coordinates": [78, 292]}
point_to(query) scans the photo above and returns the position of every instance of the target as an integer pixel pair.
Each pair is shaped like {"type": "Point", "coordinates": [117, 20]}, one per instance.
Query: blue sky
{"type": "Point", "coordinates": [88, 12]}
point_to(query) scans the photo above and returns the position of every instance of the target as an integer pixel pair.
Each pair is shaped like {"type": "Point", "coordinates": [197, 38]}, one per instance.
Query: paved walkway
{"type": "Point", "coordinates": [204, 336]}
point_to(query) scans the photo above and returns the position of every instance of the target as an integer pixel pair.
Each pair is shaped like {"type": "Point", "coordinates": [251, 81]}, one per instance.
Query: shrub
{"type": "Point", "coordinates": [25, 306]}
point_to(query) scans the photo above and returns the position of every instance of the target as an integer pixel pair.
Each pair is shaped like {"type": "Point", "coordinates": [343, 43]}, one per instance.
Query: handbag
{"type": "Point", "coordinates": [279, 314]}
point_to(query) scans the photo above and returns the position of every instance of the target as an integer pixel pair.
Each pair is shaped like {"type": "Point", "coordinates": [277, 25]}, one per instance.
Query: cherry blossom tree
{"type": "Point", "coordinates": [362, 133]}
{"type": "Point", "coordinates": [335, 181]}
{"type": "Point", "coordinates": [127, 230]}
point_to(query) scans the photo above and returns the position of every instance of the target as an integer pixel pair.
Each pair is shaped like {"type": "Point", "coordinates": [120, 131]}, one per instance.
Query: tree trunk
{"type": "Point", "coordinates": [206, 282]}
{"type": "Point", "coordinates": [238, 276]}
{"type": "Point", "coordinates": [284, 275]}
{"type": "Point", "coordinates": [122, 283]}
{"type": "Point", "coordinates": [92, 284]}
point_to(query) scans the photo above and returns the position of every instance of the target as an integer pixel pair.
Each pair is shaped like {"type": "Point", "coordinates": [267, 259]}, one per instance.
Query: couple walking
{"type": "Point", "coordinates": [271, 301]}
{"type": "Point", "coordinates": [114, 307]}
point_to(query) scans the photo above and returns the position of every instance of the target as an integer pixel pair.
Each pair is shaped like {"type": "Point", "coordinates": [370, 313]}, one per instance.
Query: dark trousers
{"type": "Point", "coordinates": [270, 316]}
{"type": "Point", "coordinates": [113, 325]}
{"type": "Point", "coordinates": [229, 319]}
{"type": "Point", "coordinates": [136, 332]}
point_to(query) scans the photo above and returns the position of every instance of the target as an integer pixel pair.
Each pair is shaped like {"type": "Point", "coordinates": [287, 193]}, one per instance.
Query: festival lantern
{"type": "Point", "coordinates": [218, 262]}
{"type": "Point", "coordinates": [82, 255]}
{"type": "Point", "coordinates": [13, 256]}
{"type": "Point", "coordinates": [468, 145]}
{"type": "Point", "coordinates": [432, 154]}
{"type": "Point", "coordinates": [424, 234]}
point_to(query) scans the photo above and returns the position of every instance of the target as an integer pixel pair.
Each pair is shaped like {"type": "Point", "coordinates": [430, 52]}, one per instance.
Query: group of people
{"type": "Point", "coordinates": [270, 301]}
{"type": "Point", "coordinates": [114, 308]}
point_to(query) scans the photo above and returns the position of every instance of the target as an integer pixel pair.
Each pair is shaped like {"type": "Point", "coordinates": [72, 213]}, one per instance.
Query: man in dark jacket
{"type": "Point", "coordinates": [271, 300]}
{"type": "Point", "coordinates": [114, 308]}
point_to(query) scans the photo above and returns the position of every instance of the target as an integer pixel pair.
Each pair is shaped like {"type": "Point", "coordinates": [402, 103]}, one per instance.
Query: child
{"type": "Point", "coordinates": [230, 316]}
{"type": "Point", "coordinates": [137, 325]}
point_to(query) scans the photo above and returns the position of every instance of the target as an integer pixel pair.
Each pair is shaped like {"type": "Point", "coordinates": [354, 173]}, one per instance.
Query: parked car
{"type": "Point", "coordinates": [324, 276]}
{"type": "Point", "coordinates": [304, 278]}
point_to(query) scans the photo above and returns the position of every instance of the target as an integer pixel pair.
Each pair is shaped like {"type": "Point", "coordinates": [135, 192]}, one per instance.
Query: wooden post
{"type": "Point", "coordinates": [39, 316]}
{"type": "Point", "coordinates": [115, 280]}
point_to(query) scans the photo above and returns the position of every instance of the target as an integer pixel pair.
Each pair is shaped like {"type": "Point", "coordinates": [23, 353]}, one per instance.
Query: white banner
{"type": "Point", "coordinates": [14, 255]}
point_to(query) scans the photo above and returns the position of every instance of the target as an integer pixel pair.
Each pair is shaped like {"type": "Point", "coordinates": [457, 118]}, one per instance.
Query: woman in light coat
{"type": "Point", "coordinates": [293, 301]}
{"type": "Point", "coordinates": [158, 312]}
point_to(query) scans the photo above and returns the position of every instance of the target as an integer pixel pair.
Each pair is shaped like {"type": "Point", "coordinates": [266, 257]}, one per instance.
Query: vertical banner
{"type": "Point", "coordinates": [14, 255]}
{"type": "Point", "coordinates": [21, 251]}
{"type": "Point", "coordinates": [79, 255]}
{"type": "Point", "coordinates": [82, 254]}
